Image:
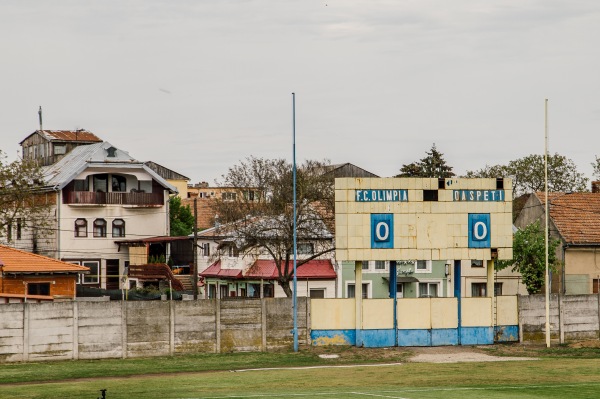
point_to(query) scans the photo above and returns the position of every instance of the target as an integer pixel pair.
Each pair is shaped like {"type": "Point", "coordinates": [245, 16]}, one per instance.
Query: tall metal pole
{"type": "Point", "coordinates": [195, 279]}
{"type": "Point", "coordinates": [548, 282]}
{"type": "Point", "coordinates": [295, 295]}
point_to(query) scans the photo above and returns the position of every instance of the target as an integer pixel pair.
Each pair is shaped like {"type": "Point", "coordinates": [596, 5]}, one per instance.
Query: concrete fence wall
{"type": "Point", "coordinates": [97, 330]}
{"type": "Point", "coordinates": [115, 329]}
{"type": "Point", "coordinates": [572, 317]}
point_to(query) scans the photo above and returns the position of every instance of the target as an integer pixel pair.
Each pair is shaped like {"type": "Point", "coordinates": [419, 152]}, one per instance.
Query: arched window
{"type": "Point", "coordinates": [99, 228]}
{"type": "Point", "coordinates": [80, 228]}
{"type": "Point", "coordinates": [118, 228]}
{"type": "Point", "coordinates": [119, 184]}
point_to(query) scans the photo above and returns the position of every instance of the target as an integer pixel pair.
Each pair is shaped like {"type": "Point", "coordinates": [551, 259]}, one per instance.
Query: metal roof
{"type": "Point", "coordinates": [95, 155]}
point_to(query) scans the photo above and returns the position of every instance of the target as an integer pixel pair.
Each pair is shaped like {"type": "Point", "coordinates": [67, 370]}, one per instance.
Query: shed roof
{"type": "Point", "coordinates": [20, 262]}
{"type": "Point", "coordinates": [79, 135]}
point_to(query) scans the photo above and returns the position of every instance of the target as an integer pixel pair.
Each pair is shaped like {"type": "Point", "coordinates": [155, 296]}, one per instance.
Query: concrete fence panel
{"type": "Point", "coordinates": [11, 333]}
{"type": "Point", "coordinates": [100, 330]}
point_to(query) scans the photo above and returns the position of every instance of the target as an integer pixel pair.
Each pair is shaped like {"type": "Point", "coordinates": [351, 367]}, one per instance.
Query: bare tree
{"type": "Point", "coordinates": [23, 200]}
{"type": "Point", "coordinates": [259, 217]}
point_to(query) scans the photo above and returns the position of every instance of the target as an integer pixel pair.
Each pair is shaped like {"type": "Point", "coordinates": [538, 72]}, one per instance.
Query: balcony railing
{"type": "Point", "coordinates": [98, 198]}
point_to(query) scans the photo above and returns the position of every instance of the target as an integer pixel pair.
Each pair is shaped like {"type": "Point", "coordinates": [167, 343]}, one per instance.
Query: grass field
{"type": "Point", "coordinates": [560, 373]}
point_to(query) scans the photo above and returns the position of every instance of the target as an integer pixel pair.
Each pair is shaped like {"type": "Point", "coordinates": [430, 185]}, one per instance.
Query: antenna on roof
{"type": "Point", "coordinates": [40, 115]}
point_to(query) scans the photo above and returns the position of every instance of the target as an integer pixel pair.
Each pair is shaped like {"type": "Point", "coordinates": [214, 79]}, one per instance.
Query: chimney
{"type": "Point", "coordinates": [596, 187]}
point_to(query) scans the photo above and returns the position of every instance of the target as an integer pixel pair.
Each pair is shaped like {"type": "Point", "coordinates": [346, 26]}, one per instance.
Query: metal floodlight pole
{"type": "Point", "coordinates": [294, 294]}
{"type": "Point", "coordinates": [548, 282]}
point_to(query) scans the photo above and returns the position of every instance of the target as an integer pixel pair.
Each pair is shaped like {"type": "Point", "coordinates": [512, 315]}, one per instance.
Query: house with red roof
{"type": "Point", "coordinates": [29, 277]}
{"type": "Point", "coordinates": [574, 219]}
{"type": "Point", "coordinates": [228, 272]}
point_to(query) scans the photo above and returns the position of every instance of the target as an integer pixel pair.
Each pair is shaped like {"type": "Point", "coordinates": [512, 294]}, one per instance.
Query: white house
{"type": "Point", "coordinates": [99, 194]}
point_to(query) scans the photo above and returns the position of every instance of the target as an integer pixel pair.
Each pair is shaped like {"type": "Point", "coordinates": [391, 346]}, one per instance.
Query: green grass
{"type": "Point", "coordinates": [556, 375]}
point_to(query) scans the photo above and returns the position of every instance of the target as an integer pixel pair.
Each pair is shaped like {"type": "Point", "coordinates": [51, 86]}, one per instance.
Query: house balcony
{"type": "Point", "coordinates": [133, 199]}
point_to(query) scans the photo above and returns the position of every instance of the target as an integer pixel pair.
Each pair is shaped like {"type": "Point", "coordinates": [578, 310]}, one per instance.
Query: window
{"type": "Point", "coordinates": [94, 275]}
{"type": "Point", "coordinates": [250, 195]}
{"type": "Point", "coordinates": [317, 292]}
{"type": "Point", "coordinates": [81, 185]}
{"type": "Point", "coordinates": [351, 290]}
{"type": "Point", "coordinates": [60, 149]}
{"type": "Point", "coordinates": [305, 248]}
{"type": "Point", "coordinates": [81, 228]}
{"type": "Point", "coordinates": [99, 228]}
{"type": "Point", "coordinates": [19, 227]}
{"type": "Point", "coordinates": [476, 263]}
{"type": "Point", "coordinates": [430, 195]}
{"type": "Point", "coordinates": [206, 249]}
{"type": "Point", "coordinates": [232, 251]}
{"type": "Point", "coordinates": [38, 288]}
{"type": "Point", "coordinates": [379, 265]}
{"type": "Point", "coordinates": [118, 228]}
{"type": "Point", "coordinates": [480, 289]}
{"type": "Point", "coordinates": [423, 266]}
{"type": "Point", "coordinates": [101, 183]}
{"type": "Point", "coordinates": [595, 285]}
{"type": "Point", "coordinates": [428, 290]}
{"type": "Point", "coordinates": [365, 265]}
{"type": "Point", "coordinates": [9, 231]}
{"type": "Point", "coordinates": [228, 196]}
{"type": "Point", "coordinates": [118, 183]}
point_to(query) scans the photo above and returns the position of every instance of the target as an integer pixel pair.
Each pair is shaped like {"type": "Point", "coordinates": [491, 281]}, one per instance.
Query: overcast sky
{"type": "Point", "coordinates": [198, 86]}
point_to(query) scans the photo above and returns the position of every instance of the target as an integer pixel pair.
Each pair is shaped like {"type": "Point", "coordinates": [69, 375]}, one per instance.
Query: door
{"type": "Point", "coordinates": [112, 274]}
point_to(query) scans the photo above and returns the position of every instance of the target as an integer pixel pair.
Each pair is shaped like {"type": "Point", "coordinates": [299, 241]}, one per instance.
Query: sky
{"type": "Point", "coordinates": [197, 86]}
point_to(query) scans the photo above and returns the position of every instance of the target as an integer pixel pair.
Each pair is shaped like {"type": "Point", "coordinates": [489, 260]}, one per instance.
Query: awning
{"type": "Point", "coordinates": [406, 279]}
{"type": "Point", "coordinates": [399, 279]}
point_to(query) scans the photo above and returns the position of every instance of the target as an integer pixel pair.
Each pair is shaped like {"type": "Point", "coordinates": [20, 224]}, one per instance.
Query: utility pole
{"type": "Point", "coordinates": [195, 248]}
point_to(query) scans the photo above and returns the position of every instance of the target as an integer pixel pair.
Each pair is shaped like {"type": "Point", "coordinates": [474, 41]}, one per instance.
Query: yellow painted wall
{"type": "Point", "coordinates": [476, 312]}
{"type": "Point", "coordinates": [422, 229]}
{"type": "Point", "coordinates": [507, 311]}
{"type": "Point", "coordinates": [444, 313]}
{"type": "Point", "coordinates": [332, 314]}
{"type": "Point", "coordinates": [414, 313]}
{"type": "Point", "coordinates": [378, 314]}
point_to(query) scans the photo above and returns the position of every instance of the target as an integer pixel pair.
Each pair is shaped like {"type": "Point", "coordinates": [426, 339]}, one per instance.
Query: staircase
{"type": "Point", "coordinates": [155, 272]}
{"type": "Point", "coordinates": [186, 282]}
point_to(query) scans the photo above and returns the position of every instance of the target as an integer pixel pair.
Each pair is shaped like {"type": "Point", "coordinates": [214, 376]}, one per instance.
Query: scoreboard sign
{"type": "Point", "coordinates": [412, 218]}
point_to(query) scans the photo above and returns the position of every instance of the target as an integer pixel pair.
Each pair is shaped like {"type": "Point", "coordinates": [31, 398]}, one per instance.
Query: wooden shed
{"type": "Point", "coordinates": [25, 275]}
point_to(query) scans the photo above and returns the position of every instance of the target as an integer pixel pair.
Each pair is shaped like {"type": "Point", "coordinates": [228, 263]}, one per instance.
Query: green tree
{"type": "Point", "coordinates": [180, 218]}
{"type": "Point", "coordinates": [433, 165]}
{"type": "Point", "coordinates": [527, 174]}
{"type": "Point", "coordinates": [529, 258]}
{"type": "Point", "coordinates": [23, 203]}
{"type": "Point", "coordinates": [596, 166]}
{"type": "Point", "coordinates": [259, 217]}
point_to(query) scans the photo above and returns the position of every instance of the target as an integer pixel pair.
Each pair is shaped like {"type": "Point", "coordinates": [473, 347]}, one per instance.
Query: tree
{"type": "Point", "coordinates": [181, 219]}
{"type": "Point", "coordinates": [260, 216]}
{"type": "Point", "coordinates": [527, 174]}
{"type": "Point", "coordinates": [596, 166]}
{"type": "Point", "coordinates": [529, 258]}
{"type": "Point", "coordinates": [433, 165]}
{"type": "Point", "coordinates": [23, 202]}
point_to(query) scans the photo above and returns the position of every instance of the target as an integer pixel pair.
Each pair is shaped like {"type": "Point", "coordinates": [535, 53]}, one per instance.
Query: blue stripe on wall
{"type": "Point", "coordinates": [477, 336]}
{"type": "Point", "coordinates": [333, 337]}
{"type": "Point", "coordinates": [507, 333]}
{"type": "Point", "coordinates": [437, 337]}
{"type": "Point", "coordinates": [378, 338]}
{"type": "Point", "coordinates": [414, 337]}
{"type": "Point", "coordinates": [444, 336]}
